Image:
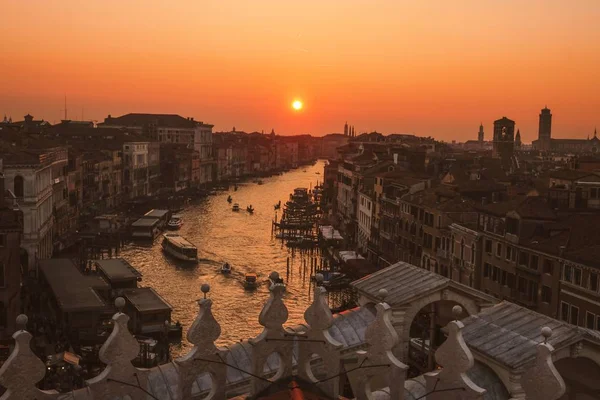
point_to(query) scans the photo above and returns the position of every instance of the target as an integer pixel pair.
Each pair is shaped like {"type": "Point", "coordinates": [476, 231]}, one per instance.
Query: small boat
{"type": "Point", "coordinates": [235, 188]}
{"type": "Point", "coordinates": [226, 268]}
{"type": "Point", "coordinates": [260, 182]}
{"type": "Point", "coordinates": [251, 282]}
{"type": "Point", "coordinates": [250, 209]}
{"type": "Point", "coordinates": [179, 247]}
{"type": "Point", "coordinates": [236, 207]}
{"type": "Point", "coordinates": [317, 173]}
{"type": "Point", "coordinates": [175, 222]}
{"type": "Point", "coordinates": [229, 199]}
{"type": "Point", "coordinates": [278, 205]}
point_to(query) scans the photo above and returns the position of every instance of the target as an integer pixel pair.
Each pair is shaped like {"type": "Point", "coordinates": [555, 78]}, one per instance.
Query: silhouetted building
{"type": "Point", "coordinates": [518, 140]}
{"type": "Point", "coordinates": [346, 129]}
{"type": "Point", "coordinates": [545, 129]}
{"type": "Point", "coordinates": [480, 136]}
{"type": "Point", "coordinates": [504, 138]}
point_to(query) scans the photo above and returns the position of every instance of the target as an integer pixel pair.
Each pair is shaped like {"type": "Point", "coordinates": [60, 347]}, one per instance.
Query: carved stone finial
{"type": "Point", "coordinates": [22, 322]}
{"type": "Point", "coordinates": [274, 313]}
{"type": "Point", "coordinates": [204, 356]}
{"type": "Point", "coordinates": [542, 381]}
{"type": "Point", "coordinates": [381, 338]}
{"type": "Point", "coordinates": [318, 315]}
{"type": "Point", "coordinates": [120, 303]}
{"type": "Point", "coordinates": [117, 352]}
{"type": "Point", "coordinates": [546, 333]}
{"type": "Point", "coordinates": [319, 278]}
{"type": "Point", "coordinates": [205, 329]}
{"type": "Point", "coordinates": [382, 294]}
{"type": "Point", "coordinates": [457, 312]}
{"type": "Point", "coordinates": [22, 370]}
{"type": "Point", "coordinates": [205, 288]}
{"type": "Point", "coordinates": [274, 276]}
{"type": "Point", "coordinates": [456, 359]}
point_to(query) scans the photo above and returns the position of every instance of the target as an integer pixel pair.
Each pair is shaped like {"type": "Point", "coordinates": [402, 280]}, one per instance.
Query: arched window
{"type": "Point", "coordinates": [18, 186]}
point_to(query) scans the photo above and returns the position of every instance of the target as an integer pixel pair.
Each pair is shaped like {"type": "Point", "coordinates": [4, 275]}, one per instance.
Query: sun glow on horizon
{"type": "Point", "coordinates": [297, 105]}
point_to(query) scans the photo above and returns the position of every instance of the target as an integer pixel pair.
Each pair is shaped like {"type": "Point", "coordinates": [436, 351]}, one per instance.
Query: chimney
{"type": "Point", "coordinates": [395, 158]}
{"type": "Point", "coordinates": [483, 201]}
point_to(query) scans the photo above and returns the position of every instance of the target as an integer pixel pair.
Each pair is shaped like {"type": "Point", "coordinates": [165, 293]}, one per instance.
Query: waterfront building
{"type": "Point", "coordinates": [136, 176]}
{"type": "Point", "coordinates": [31, 172]}
{"type": "Point", "coordinates": [330, 143]}
{"type": "Point", "coordinates": [176, 166]}
{"type": "Point", "coordinates": [11, 231]}
{"type": "Point", "coordinates": [171, 128]}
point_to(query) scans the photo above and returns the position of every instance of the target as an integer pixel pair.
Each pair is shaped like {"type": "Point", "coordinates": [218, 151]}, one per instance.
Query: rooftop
{"type": "Point", "coordinates": [117, 269]}
{"type": "Point", "coordinates": [73, 290]}
{"type": "Point", "coordinates": [509, 333]}
{"type": "Point", "coordinates": [145, 299]}
{"type": "Point", "coordinates": [145, 222]}
{"type": "Point", "coordinates": [141, 120]}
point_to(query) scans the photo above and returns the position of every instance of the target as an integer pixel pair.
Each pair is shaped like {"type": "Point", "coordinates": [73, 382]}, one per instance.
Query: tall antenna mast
{"type": "Point", "coordinates": [65, 107]}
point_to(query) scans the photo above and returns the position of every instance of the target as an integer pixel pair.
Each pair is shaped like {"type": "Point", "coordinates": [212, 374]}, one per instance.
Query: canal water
{"type": "Point", "coordinates": [242, 239]}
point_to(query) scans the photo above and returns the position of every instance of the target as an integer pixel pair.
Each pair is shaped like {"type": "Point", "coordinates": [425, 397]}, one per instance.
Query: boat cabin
{"type": "Point", "coordinates": [179, 247]}
{"type": "Point", "coordinates": [145, 228]}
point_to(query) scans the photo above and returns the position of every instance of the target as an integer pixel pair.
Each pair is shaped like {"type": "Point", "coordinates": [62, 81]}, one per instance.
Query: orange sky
{"type": "Point", "coordinates": [433, 68]}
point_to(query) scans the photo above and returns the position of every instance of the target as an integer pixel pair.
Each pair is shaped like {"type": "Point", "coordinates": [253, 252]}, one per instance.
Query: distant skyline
{"type": "Point", "coordinates": [429, 68]}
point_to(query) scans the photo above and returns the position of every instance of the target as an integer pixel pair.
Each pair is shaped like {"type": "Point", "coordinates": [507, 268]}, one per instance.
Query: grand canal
{"type": "Point", "coordinates": [245, 241]}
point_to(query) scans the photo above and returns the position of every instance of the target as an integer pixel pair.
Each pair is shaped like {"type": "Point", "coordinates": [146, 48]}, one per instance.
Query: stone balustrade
{"type": "Point", "coordinates": [371, 369]}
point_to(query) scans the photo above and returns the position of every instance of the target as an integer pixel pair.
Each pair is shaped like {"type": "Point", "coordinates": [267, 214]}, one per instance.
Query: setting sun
{"type": "Point", "coordinates": [297, 105]}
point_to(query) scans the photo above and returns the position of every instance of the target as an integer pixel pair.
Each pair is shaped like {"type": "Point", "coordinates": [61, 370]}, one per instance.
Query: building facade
{"type": "Point", "coordinates": [11, 229]}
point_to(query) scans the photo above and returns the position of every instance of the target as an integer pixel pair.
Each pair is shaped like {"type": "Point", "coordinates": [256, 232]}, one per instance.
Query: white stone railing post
{"type": "Point", "coordinates": [452, 382]}
{"type": "Point", "coordinates": [120, 377]}
{"type": "Point", "coordinates": [542, 381]}
{"type": "Point", "coordinates": [22, 370]}
{"type": "Point", "coordinates": [379, 361]}
{"type": "Point", "coordinates": [273, 339]}
{"type": "Point", "coordinates": [317, 340]}
{"type": "Point", "coordinates": [204, 357]}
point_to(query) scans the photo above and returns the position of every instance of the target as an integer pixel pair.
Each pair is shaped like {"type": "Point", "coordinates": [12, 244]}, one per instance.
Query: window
{"type": "Point", "coordinates": [524, 259]}
{"type": "Point", "coordinates": [593, 193]}
{"type": "Point", "coordinates": [593, 286]}
{"type": "Point", "coordinates": [512, 226]}
{"type": "Point", "coordinates": [590, 320]}
{"type": "Point", "coordinates": [567, 273]}
{"type": "Point", "coordinates": [546, 294]}
{"type": "Point", "coordinates": [511, 281]}
{"type": "Point", "coordinates": [504, 278]}
{"type": "Point", "coordinates": [488, 246]}
{"type": "Point", "coordinates": [18, 188]}
{"type": "Point", "coordinates": [522, 285]}
{"type": "Point", "coordinates": [2, 240]}
{"type": "Point", "coordinates": [487, 270]}
{"type": "Point", "coordinates": [577, 276]}
{"type": "Point", "coordinates": [498, 249]}
{"type": "Point", "coordinates": [598, 322]}
{"type": "Point", "coordinates": [534, 262]}
{"type": "Point", "coordinates": [574, 315]}
{"type": "Point", "coordinates": [2, 277]}
{"type": "Point", "coordinates": [508, 253]}
{"type": "Point", "coordinates": [495, 273]}
{"type": "Point", "coordinates": [564, 311]}
{"type": "Point", "coordinates": [548, 267]}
